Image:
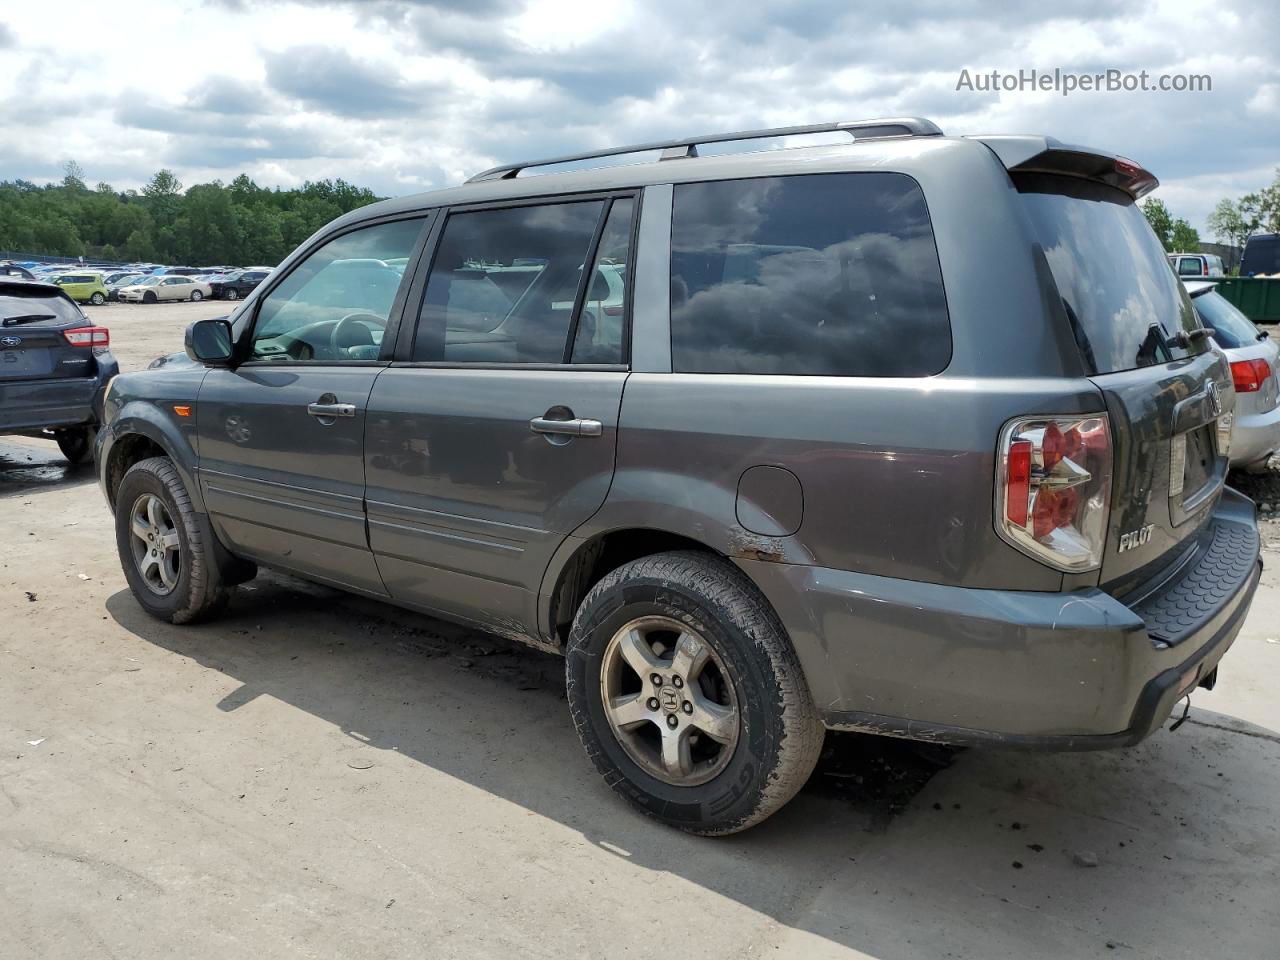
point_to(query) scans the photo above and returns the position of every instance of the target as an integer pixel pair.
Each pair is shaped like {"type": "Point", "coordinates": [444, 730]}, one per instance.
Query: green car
{"type": "Point", "coordinates": [83, 287]}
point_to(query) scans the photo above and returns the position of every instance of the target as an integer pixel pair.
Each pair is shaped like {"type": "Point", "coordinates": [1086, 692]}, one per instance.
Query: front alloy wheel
{"type": "Point", "coordinates": [157, 549]}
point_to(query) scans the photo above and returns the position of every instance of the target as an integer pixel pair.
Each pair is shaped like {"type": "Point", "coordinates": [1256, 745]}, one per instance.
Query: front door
{"type": "Point", "coordinates": [282, 433]}
{"type": "Point", "coordinates": [493, 438]}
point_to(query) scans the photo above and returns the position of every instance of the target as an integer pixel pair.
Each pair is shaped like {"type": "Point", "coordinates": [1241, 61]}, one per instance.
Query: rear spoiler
{"type": "Point", "coordinates": [1029, 154]}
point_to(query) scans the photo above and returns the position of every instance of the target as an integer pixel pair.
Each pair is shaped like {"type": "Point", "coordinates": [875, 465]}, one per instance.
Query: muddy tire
{"type": "Point", "coordinates": [77, 444]}
{"type": "Point", "coordinates": [722, 731]}
{"type": "Point", "coordinates": [166, 548]}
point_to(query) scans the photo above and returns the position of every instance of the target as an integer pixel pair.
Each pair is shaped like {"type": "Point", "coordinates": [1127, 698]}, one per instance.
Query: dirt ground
{"type": "Point", "coordinates": [320, 776]}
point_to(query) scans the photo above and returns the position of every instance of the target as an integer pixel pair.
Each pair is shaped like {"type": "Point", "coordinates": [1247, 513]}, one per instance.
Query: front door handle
{"type": "Point", "coordinates": [329, 409]}
{"type": "Point", "coordinates": [567, 428]}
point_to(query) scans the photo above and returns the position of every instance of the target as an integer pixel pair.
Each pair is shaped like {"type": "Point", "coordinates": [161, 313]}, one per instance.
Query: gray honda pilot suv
{"type": "Point", "coordinates": [914, 435]}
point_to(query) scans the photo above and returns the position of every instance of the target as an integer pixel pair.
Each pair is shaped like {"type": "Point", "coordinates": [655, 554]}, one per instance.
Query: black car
{"type": "Point", "coordinates": [55, 366]}
{"type": "Point", "coordinates": [237, 285]}
{"type": "Point", "coordinates": [13, 270]}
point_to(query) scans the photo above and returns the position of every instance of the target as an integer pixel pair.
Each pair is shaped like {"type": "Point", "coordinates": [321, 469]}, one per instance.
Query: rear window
{"type": "Point", "coordinates": [1230, 327]}
{"type": "Point", "coordinates": [1110, 270]}
{"type": "Point", "coordinates": [15, 305]}
{"type": "Point", "coordinates": [1261, 255]}
{"type": "Point", "coordinates": [823, 274]}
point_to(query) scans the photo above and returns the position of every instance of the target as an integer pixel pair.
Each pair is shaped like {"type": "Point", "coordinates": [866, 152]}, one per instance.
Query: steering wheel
{"type": "Point", "coordinates": [351, 332]}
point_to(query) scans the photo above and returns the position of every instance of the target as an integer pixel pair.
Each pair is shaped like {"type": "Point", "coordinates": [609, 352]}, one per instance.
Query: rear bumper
{"type": "Point", "coordinates": [1255, 437]}
{"type": "Point", "coordinates": [1066, 671]}
{"type": "Point", "coordinates": [44, 404]}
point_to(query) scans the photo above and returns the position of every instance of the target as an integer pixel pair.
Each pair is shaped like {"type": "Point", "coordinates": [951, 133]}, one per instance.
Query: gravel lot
{"type": "Point", "coordinates": [321, 776]}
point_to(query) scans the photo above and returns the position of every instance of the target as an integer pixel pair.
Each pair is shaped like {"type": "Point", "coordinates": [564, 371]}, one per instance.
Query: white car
{"type": "Point", "coordinates": [155, 289]}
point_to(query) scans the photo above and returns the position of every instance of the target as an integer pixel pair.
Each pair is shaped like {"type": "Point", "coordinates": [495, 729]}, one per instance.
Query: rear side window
{"type": "Point", "coordinates": [823, 274]}
{"type": "Point", "coordinates": [505, 283]}
{"type": "Point", "coordinates": [1120, 296]}
{"type": "Point", "coordinates": [1230, 327]}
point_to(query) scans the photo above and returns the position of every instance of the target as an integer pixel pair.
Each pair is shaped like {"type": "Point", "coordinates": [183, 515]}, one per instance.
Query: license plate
{"type": "Point", "coordinates": [16, 363]}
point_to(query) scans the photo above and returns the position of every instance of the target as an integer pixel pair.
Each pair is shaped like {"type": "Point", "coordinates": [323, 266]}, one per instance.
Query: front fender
{"type": "Point", "coordinates": [142, 405]}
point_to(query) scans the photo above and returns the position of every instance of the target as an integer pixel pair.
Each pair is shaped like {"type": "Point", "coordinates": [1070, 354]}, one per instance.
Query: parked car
{"type": "Point", "coordinates": [1261, 257]}
{"type": "Point", "coordinates": [181, 271]}
{"type": "Point", "coordinates": [55, 365]}
{"type": "Point", "coordinates": [156, 288]}
{"type": "Point", "coordinates": [237, 286]}
{"type": "Point", "coordinates": [16, 271]}
{"type": "Point", "coordinates": [1255, 372]}
{"type": "Point", "coordinates": [83, 287]}
{"type": "Point", "coordinates": [1197, 264]}
{"type": "Point", "coordinates": [835, 494]}
{"type": "Point", "coordinates": [126, 280]}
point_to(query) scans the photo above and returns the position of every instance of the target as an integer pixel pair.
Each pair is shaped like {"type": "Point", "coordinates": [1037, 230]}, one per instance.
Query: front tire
{"type": "Point", "coordinates": [230, 295]}
{"type": "Point", "coordinates": [97, 299]}
{"type": "Point", "coordinates": [166, 548]}
{"type": "Point", "coordinates": [687, 695]}
{"type": "Point", "coordinates": [77, 444]}
{"type": "Point", "coordinates": [196, 296]}
{"type": "Point", "coordinates": [150, 297]}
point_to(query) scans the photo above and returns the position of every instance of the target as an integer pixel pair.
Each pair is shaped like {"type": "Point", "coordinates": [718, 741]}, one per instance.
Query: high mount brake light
{"type": "Point", "coordinates": [1053, 489]}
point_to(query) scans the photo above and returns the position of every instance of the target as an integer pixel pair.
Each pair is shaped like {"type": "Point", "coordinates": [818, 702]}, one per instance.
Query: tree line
{"type": "Point", "coordinates": [1235, 221]}
{"type": "Point", "coordinates": [239, 223]}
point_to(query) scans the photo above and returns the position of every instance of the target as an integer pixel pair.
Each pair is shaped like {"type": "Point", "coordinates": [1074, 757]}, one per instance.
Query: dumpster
{"type": "Point", "coordinates": [1258, 298]}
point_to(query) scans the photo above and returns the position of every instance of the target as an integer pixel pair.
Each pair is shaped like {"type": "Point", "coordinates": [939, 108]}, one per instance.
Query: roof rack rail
{"type": "Point", "coordinates": [688, 146]}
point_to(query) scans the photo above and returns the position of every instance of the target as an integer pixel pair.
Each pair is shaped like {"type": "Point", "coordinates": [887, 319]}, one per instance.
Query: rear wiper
{"type": "Point", "coordinates": [1183, 338]}
{"type": "Point", "coordinates": [28, 318]}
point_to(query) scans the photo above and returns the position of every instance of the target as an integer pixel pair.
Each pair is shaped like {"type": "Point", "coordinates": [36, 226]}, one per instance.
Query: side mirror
{"type": "Point", "coordinates": [210, 342]}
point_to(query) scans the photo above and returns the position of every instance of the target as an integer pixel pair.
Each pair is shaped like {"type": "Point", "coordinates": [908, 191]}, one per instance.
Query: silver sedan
{"type": "Point", "coordinates": [1255, 369]}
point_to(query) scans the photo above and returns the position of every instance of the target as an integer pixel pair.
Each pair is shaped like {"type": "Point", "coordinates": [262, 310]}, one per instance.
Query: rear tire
{"type": "Point", "coordinates": [97, 299]}
{"type": "Point", "coordinates": [196, 296]}
{"type": "Point", "coordinates": [77, 444]}
{"type": "Point", "coordinates": [153, 511]}
{"type": "Point", "coordinates": [688, 608]}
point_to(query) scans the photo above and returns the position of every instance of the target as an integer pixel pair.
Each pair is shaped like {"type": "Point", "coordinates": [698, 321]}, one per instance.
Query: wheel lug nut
{"type": "Point", "coordinates": [672, 721]}
{"type": "Point", "coordinates": [678, 682]}
{"type": "Point", "coordinates": [652, 703]}
{"type": "Point", "coordinates": [656, 680]}
{"type": "Point", "coordinates": [687, 707]}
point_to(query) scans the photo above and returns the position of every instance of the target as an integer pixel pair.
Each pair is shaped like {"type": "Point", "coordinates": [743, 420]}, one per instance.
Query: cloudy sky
{"type": "Point", "coordinates": [403, 96]}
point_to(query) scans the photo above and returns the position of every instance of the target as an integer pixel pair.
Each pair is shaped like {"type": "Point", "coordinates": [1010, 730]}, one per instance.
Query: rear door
{"type": "Point", "coordinates": [493, 436]}
{"type": "Point", "coordinates": [1166, 389]}
{"type": "Point", "coordinates": [282, 433]}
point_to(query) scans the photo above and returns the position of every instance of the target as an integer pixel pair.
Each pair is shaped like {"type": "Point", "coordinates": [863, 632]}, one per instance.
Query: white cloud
{"type": "Point", "coordinates": [404, 95]}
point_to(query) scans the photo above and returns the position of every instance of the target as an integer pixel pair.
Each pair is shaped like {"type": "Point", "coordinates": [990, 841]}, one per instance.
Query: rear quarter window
{"type": "Point", "coordinates": [821, 274]}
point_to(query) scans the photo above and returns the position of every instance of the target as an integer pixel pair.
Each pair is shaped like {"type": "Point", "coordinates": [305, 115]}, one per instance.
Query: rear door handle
{"type": "Point", "coordinates": [568, 428]}
{"type": "Point", "coordinates": [329, 411]}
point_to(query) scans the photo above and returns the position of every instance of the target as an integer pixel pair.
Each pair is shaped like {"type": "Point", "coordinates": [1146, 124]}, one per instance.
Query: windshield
{"type": "Point", "coordinates": [1230, 327]}
{"type": "Point", "coordinates": [1120, 295]}
{"type": "Point", "coordinates": [147, 282]}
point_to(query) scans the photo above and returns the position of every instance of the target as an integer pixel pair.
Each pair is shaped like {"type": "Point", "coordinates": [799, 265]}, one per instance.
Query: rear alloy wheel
{"type": "Point", "coordinates": [97, 299]}
{"type": "Point", "coordinates": [166, 548]}
{"type": "Point", "coordinates": [76, 444]}
{"type": "Point", "coordinates": [196, 296]}
{"type": "Point", "coordinates": [687, 694]}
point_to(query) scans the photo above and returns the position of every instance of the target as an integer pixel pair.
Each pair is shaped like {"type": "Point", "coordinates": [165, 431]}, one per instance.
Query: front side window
{"type": "Point", "coordinates": [505, 283]}
{"type": "Point", "coordinates": [335, 304]}
{"type": "Point", "coordinates": [821, 274]}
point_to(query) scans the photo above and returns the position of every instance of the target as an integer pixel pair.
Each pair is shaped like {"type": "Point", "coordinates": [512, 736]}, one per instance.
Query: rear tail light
{"type": "Point", "coordinates": [1250, 375]}
{"type": "Point", "coordinates": [1053, 488]}
{"type": "Point", "coordinates": [87, 337]}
